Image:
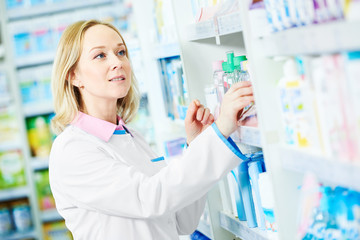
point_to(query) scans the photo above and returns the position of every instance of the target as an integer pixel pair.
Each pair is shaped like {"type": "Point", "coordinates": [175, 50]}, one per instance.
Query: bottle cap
{"type": "Point", "coordinates": [243, 58]}
{"type": "Point", "coordinates": [225, 66]}
{"type": "Point", "coordinates": [230, 57]}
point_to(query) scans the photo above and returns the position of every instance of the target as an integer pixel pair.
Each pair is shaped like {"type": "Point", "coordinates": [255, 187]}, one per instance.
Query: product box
{"type": "Point", "coordinates": [56, 231]}
{"type": "Point", "coordinates": [46, 200]}
{"type": "Point", "coordinates": [39, 135]}
{"type": "Point", "coordinates": [12, 169]}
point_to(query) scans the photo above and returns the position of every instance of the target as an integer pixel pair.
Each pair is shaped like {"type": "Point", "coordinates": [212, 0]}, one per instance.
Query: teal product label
{"type": "Point", "coordinates": [5, 221]}
{"type": "Point", "coordinates": [14, 4]}
{"type": "Point", "coordinates": [44, 40]}
{"type": "Point", "coordinates": [22, 44]}
{"type": "Point", "coordinates": [22, 218]}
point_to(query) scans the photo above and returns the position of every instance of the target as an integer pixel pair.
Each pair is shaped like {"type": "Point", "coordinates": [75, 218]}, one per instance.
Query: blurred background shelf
{"type": "Point", "coordinates": [240, 229]}
{"type": "Point", "coordinates": [223, 25]}
{"type": "Point", "coordinates": [21, 236]}
{"type": "Point", "coordinates": [31, 60]}
{"type": "Point", "coordinates": [328, 170]}
{"type": "Point", "coordinates": [14, 193]}
{"type": "Point", "coordinates": [50, 215]}
{"type": "Point", "coordinates": [39, 163]}
{"type": "Point", "coordinates": [315, 39]}
{"type": "Point", "coordinates": [38, 109]}
{"type": "Point", "coordinates": [250, 136]}
{"type": "Point", "coordinates": [8, 146]}
{"type": "Point", "coordinates": [166, 50]}
{"type": "Point", "coordinates": [17, 13]}
{"type": "Point", "coordinates": [5, 100]}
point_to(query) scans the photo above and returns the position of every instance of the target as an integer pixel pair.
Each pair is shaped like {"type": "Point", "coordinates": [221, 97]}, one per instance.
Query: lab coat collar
{"type": "Point", "coordinates": [97, 127]}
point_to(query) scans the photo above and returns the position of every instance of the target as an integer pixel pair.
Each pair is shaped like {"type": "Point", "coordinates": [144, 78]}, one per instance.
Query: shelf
{"type": "Point", "coordinates": [324, 38]}
{"type": "Point", "coordinates": [223, 25]}
{"type": "Point", "coordinates": [9, 146]}
{"type": "Point", "coordinates": [34, 60]}
{"type": "Point", "coordinates": [240, 229]}
{"type": "Point", "coordinates": [37, 109]}
{"type": "Point", "coordinates": [250, 136]}
{"type": "Point", "coordinates": [19, 235]}
{"type": "Point", "coordinates": [46, 9]}
{"type": "Point", "coordinates": [2, 51]}
{"type": "Point", "coordinates": [13, 193]}
{"type": "Point", "coordinates": [205, 229]}
{"type": "Point", "coordinates": [39, 163]}
{"type": "Point", "coordinates": [166, 50]}
{"type": "Point", "coordinates": [5, 100]}
{"type": "Point", "coordinates": [50, 215]}
{"type": "Point", "coordinates": [328, 170]}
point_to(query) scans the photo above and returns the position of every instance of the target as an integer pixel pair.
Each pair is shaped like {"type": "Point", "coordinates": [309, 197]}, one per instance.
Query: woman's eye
{"type": "Point", "coordinates": [101, 55]}
{"type": "Point", "coordinates": [121, 53]}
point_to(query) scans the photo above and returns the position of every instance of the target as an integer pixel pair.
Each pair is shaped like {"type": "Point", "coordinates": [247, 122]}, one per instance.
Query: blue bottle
{"type": "Point", "coordinates": [246, 193]}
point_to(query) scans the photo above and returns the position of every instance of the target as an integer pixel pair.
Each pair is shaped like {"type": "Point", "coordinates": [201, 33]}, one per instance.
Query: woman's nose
{"type": "Point", "coordinates": [115, 62]}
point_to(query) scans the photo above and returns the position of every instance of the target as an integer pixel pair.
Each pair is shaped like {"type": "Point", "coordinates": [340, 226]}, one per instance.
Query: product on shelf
{"type": "Point", "coordinates": [209, 9]}
{"type": "Point", "coordinates": [174, 147]}
{"type": "Point", "coordinates": [39, 135]}
{"type": "Point", "coordinates": [56, 231]}
{"type": "Point", "coordinates": [328, 212]}
{"type": "Point", "coordinates": [286, 14]}
{"type": "Point", "coordinates": [235, 195]}
{"type": "Point", "coordinates": [165, 25]}
{"type": "Point", "coordinates": [5, 220]}
{"type": "Point", "coordinates": [21, 215]}
{"type": "Point", "coordinates": [12, 169]}
{"type": "Point", "coordinates": [35, 86]}
{"type": "Point", "coordinates": [4, 88]}
{"type": "Point", "coordinates": [337, 114]}
{"type": "Point", "coordinates": [46, 200]}
{"type": "Point", "coordinates": [10, 131]}
{"type": "Point", "coordinates": [297, 108]}
{"type": "Point", "coordinates": [174, 87]}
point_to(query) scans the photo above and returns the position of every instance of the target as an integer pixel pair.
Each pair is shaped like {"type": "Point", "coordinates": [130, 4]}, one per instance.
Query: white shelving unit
{"type": "Point", "coordinates": [14, 193]}
{"type": "Point", "coordinates": [38, 109]}
{"type": "Point", "coordinates": [50, 215]}
{"type": "Point", "coordinates": [332, 37]}
{"type": "Point", "coordinates": [328, 170]}
{"type": "Point", "coordinates": [218, 26]}
{"type": "Point", "coordinates": [240, 229]}
{"type": "Point", "coordinates": [166, 50]}
{"type": "Point", "coordinates": [285, 165]}
{"type": "Point", "coordinates": [201, 43]}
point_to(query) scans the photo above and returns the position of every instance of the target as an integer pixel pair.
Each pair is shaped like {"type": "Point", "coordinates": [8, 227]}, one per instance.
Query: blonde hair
{"type": "Point", "coordinates": [67, 97]}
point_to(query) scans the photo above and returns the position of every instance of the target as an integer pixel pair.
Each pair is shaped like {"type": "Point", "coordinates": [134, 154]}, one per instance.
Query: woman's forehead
{"type": "Point", "coordinates": [101, 36]}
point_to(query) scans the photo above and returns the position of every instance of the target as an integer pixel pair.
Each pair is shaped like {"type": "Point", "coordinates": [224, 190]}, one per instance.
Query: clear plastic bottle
{"type": "Point", "coordinates": [218, 74]}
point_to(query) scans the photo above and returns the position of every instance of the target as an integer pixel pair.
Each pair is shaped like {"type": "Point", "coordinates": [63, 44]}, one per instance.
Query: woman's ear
{"type": "Point", "coordinates": [74, 80]}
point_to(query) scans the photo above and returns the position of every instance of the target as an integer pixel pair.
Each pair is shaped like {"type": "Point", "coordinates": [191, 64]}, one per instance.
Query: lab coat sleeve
{"type": "Point", "coordinates": [88, 177]}
{"type": "Point", "coordinates": [187, 218]}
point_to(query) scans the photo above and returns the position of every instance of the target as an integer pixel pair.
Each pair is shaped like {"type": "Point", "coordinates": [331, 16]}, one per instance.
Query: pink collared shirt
{"type": "Point", "coordinates": [103, 130]}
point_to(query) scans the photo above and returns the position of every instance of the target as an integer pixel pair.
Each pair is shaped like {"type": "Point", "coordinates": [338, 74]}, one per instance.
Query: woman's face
{"type": "Point", "coordinates": [103, 72]}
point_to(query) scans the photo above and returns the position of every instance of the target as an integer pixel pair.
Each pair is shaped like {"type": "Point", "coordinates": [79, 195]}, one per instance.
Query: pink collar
{"type": "Point", "coordinates": [97, 127]}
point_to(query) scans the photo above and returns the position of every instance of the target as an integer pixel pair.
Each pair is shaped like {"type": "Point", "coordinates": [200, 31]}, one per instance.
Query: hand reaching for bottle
{"type": "Point", "coordinates": [236, 98]}
{"type": "Point", "coordinates": [198, 118]}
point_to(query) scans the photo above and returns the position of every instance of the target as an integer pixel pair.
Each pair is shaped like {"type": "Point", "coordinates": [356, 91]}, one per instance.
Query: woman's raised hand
{"type": "Point", "coordinates": [198, 118]}
{"type": "Point", "coordinates": [236, 98]}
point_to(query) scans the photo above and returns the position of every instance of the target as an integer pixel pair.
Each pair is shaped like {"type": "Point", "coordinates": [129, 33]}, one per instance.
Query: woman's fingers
{"type": "Point", "coordinates": [239, 85]}
{"type": "Point", "coordinates": [206, 116]}
{"type": "Point", "coordinates": [200, 113]}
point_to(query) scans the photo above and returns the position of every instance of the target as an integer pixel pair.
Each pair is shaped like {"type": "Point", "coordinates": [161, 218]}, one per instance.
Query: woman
{"type": "Point", "coordinates": [106, 180]}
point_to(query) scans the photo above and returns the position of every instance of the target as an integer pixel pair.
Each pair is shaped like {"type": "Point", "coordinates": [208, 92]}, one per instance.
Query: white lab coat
{"type": "Point", "coordinates": [112, 190]}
